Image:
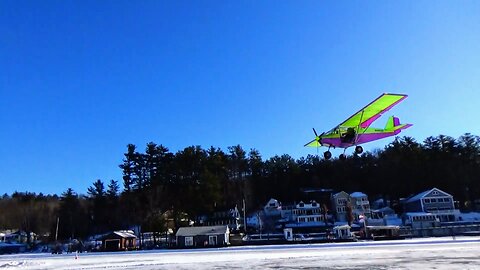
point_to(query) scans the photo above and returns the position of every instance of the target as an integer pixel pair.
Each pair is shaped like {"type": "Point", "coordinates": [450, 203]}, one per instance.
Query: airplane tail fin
{"type": "Point", "coordinates": [393, 124]}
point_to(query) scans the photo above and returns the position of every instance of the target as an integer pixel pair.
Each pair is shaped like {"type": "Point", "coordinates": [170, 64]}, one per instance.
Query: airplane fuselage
{"type": "Point", "coordinates": [363, 135]}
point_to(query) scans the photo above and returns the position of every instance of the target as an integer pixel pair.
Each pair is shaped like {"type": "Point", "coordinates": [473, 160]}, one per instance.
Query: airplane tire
{"type": "Point", "coordinates": [342, 157]}
{"type": "Point", "coordinates": [327, 155]}
{"type": "Point", "coordinates": [358, 149]}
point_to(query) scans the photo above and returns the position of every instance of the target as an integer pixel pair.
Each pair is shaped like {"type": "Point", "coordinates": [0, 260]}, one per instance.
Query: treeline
{"type": "Point", "coordinates": [161, 189]}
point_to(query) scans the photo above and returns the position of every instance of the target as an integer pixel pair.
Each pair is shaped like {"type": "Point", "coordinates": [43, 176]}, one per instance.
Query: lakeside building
{"type": "Point", "coordinates": [119, 240]}
{"type": "Point", "coordinates": [204, 236]}
{"type": "Point", "coordinates": [340, 201]}
{"type": "Point", "coordinates": [229, 216]}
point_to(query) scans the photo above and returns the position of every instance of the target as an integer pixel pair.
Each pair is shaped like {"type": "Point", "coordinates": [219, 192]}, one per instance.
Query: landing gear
{"type": "Point", "coordinates": [358, 149]}
{"type": "Point", "coordinates": [327, 155]}
{"type": "Point", "coordinates": [342, 157]}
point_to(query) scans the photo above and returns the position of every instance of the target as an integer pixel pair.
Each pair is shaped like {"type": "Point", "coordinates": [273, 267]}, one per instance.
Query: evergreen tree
{"type": "Point", "coordinates": [72, 216]}
{"type": "Point", "coordinates": [128, 167]}
{"type": "Point", "coordinates": [113, 205]}
{"type": "Point", "coordinates": [98, 207]}
{"type": "Point", "coordinates": [113, 189]}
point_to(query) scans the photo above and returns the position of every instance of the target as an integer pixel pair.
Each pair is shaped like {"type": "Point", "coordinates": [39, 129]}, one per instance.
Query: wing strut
{"type": "Point", "coordinates": [358, 127]}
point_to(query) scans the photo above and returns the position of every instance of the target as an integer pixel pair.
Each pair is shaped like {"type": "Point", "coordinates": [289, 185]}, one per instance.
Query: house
{"type": "Point", "coordinates": [204, 236]}
{"type": "Point", "coordinates": [360, 204]}
{"type": "Point", "coordinates": [340, 201]}
{"type": "Point", "coordinates": [383, 212]}
{"type": "Point", "coordinates": [379, 203]}
{"type": "Point", "coordinates": [230, 217]}
{"type": "Point", "coordinates": [433, 201]}
{"type": "Point", "coordinates": [119, 240]}
{"type": "Point", "coordinates": [430, 213]}
{"type": "Point", "coordinates": [272, 208]}
{"type": "Point", "coordinates": [304, 215]}
{"type": "Point", "coordinates": [384, 216]}
{"type": "Point", "coordinates": [18, 237]}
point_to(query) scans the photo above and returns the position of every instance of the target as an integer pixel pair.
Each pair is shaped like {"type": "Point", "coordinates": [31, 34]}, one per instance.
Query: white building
{"type": "Point", "coordinates": [272, 208]}
{"type": "Point", "coordinates": [303, 215]}
{"type": "Point", "coordinates": [360, 204]}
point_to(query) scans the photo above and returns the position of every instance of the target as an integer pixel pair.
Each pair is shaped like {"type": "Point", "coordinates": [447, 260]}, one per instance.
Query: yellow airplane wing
{"type": "Point", "coordinates": [365, 117]}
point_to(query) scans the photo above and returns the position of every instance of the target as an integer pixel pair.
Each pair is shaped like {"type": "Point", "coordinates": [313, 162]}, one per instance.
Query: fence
{"type": "Point", "coordinates": [443, 230]}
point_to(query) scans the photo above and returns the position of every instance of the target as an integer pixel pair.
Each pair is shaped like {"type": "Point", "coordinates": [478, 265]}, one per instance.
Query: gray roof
{"type": "Point", "coordinates": [125, 234]}
{"type": "Point", "coordinates": [204, 230]}
{"type": "Point", "coordinates": [358, 194]}
{"type": "Point", "coordinates": [340, 193]}
{"type": "Point", "coordinates": [383, 209]}
{"type": "Point", "coordinates": [426, 192]}
{"type": "Point", "coordinates": [118, 235]}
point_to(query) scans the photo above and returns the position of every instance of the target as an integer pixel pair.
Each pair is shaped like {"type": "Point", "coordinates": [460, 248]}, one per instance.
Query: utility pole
{"type": "Point", "coordinates": [56, 230]}
{"type": "Point", "coordinates": [244, 217]}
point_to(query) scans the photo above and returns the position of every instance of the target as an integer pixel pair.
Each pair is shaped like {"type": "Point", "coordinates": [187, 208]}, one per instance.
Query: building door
{"type": "Point", "coordinates": [112, 245]}
{"type": "Point", "coordinates": [212, 240]}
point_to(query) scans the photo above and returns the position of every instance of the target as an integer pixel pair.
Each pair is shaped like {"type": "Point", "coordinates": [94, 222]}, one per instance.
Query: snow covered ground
{"type": "Point", "coordinates": [430, 253]}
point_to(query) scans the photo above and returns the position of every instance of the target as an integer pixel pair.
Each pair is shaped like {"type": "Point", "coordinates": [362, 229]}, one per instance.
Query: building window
{"type": "Point", "coordinates": [188, 241]}
{"type": "Point", "coordinates": [426, 200]}
{"type": "Point", "coordinates": [212, 240]}
{"type": "Point", "coordinates": [342, 201]}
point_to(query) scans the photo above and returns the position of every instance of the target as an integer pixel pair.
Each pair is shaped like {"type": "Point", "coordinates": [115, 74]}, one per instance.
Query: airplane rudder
{"type": "Point", "coordinates": [396, 121]}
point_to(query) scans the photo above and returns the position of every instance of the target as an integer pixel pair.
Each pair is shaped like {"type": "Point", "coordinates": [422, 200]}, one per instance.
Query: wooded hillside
{"type": "Point", "coordinates": [196, 181]}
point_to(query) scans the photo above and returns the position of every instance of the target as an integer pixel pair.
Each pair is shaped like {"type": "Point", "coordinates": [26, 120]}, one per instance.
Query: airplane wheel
{"type": "Point", "coordinates": [358, 149]}
{"type": "Point", "coordinates": [342, 157]}
{"type": "Point", "coordinates": [327, 155]}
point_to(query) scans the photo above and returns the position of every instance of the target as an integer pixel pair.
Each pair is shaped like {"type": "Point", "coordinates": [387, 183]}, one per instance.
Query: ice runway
{"type": "Point", "coordinates": [431, 253]}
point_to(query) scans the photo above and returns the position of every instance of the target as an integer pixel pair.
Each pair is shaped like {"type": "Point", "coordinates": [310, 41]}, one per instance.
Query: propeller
{"type": "Point", "coordinates": [317, 138]}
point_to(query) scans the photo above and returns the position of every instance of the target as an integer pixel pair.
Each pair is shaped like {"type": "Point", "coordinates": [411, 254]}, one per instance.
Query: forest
{"type": "Point", "coordinates": [158, 185]}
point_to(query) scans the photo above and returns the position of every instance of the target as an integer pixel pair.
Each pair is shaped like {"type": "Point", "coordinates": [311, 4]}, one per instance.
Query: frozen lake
{"type": "Point", "coordinates": [430, 253]}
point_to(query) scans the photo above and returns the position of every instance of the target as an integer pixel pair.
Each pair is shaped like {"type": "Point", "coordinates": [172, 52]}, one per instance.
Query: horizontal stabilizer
{"type": "Point", "coordinates": [393, 124]}
{"type": "Point", "coordinates": [401, 127]}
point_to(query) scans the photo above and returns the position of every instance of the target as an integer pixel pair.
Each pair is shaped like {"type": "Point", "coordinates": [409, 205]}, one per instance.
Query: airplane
{"type": "Point", "coordinates": [356, 129]}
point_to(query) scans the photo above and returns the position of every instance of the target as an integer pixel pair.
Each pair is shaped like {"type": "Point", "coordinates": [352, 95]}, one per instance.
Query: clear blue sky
{"type": "Point", "coordinates": [80, 80]}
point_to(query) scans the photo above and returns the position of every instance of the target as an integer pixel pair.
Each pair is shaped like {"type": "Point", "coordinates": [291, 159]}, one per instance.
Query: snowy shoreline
{"type": "Point", "coordinates": [460, 253]}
